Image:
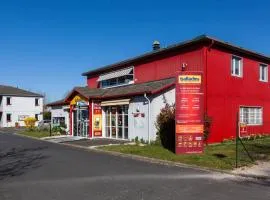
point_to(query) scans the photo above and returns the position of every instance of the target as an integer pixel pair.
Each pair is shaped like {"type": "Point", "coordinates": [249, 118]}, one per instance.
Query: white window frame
{"type": "Point", "coordinates": [263, 66]}
{"type": "Point", "coordinates": [233, 66]}
{"type": "Point", "coordinates": [254, 118]}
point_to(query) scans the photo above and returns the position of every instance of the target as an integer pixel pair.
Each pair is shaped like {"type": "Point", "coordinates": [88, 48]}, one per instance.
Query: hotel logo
{"type": "Point", "coordinates": [189, 79]}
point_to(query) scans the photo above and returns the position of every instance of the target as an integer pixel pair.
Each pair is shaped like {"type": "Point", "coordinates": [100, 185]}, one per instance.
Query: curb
{"type": "Point", "coordinates": [154, 160]}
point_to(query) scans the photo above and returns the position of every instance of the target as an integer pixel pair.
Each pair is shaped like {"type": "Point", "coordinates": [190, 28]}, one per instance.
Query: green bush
{"type": "Point", "coordinates": [47, 115]}
{"type": "Point", "coordinates": [165, 125]}
{"type": "Point", "coordinates": [59, 129]}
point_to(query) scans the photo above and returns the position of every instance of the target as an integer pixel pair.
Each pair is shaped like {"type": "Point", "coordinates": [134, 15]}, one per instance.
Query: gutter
{"type": "Point", "coordinates": [149, 114]}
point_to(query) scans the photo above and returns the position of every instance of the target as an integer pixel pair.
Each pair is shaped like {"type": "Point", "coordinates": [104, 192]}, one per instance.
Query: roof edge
{"type": "Point", "coordinates": [198, 39]}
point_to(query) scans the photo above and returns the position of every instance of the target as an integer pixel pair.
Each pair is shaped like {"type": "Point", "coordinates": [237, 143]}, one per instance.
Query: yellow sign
{"type": "Point", "coordinates": [97, 122]}
{"type": "Point", "coordinates": [76, 99]}
{"type": "Point", "coordinates": [189, 79]}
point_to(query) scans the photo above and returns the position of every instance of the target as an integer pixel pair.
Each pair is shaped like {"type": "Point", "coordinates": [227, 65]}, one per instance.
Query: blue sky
{"type": "Point", "coordinates": [46, 45]}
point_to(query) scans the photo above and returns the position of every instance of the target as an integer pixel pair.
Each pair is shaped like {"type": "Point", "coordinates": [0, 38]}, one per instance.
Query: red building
{"type": "Point", "coordinates": [235, 81]}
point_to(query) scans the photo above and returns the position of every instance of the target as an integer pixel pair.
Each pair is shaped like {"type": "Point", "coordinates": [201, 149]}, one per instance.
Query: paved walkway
{"type": "Point", "coordinates": [97, 142]}
{"type": "Point", "coordinates": [260, 169]}
{"type": "Point", "coordinates": [62, 138]}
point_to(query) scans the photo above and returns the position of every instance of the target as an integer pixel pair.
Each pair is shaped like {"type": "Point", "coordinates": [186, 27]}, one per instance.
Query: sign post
{"type": "Point", "coordinates": [189, 113]}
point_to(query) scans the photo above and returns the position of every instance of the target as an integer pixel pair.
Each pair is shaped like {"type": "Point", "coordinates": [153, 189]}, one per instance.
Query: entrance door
{"type": "Point", "coordinates": [116, 121]}
{"type": "Point", "coordinates": [81, 122]}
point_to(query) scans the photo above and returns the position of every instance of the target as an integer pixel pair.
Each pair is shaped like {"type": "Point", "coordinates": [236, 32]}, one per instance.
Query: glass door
{"type": "Point", "coordinates": [120, 122]}
{"type": "Point", "coordinates": [108, 121]}
{"type": "Point", "coordinates": [116, 121]}
{"type": "Point", "coordinates": [113, 121]}
{"type": "Point", "coordinates": [80, 122]}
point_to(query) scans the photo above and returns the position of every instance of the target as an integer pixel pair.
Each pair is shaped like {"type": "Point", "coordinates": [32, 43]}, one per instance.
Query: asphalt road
{"type": "Point", "coordinates": [39, 170]}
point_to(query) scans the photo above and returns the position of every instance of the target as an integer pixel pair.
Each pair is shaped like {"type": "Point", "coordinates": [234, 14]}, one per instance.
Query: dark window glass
{"type": "Point", "coordinates": [36, 116]}
{"type": "Point", "coordinates": [8, 117]}
{"type": "Point", "coordinates": [36, 102]}
{"type": "Point", "coordinates": [8, 101]}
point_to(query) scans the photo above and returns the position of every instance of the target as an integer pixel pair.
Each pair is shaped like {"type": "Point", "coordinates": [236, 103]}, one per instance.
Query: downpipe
{"type": "Point", "coordinates": [149, 114]}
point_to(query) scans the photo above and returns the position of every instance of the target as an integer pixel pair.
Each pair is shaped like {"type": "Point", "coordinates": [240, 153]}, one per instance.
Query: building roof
{"type": "Point", "coordinates": [152, 87]}
{"type": "Point", "coordinates": [57, 103]}
{"type": "Point", "coordinates": [13, 91]}
{"type": "Point", "coordinates": [197, 40]}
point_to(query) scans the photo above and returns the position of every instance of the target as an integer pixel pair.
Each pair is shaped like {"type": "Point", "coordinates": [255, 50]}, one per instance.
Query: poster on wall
{"type": "Point", "coordinates": [22, 117]}
{"type": "Point", "coordinates": [97, 120]}
{"type": "Point", "coordinates": [189, 113]}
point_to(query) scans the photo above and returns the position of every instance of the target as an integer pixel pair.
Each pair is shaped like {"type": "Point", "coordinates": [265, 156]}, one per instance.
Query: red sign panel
{"type": "Point", "coordinates": [189, 113]}
{"type": "Point", "coordinates": [243, 130]}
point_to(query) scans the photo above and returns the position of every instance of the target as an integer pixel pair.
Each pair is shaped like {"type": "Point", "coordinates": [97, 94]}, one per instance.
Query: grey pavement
{"type": "Point", "coordinates": [35, 169]}
{"type": "Point", "coordinates": [95, 142]}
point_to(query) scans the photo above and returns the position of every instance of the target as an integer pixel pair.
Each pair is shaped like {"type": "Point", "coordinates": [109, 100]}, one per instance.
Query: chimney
{"type": "Point", "coordinates": [156, 45]}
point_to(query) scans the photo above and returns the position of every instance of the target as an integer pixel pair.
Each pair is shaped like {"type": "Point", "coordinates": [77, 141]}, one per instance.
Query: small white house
{"type": "Point", "coordinates": [17, 104]}
{"type": "Point", "coordinates": [59, 113]}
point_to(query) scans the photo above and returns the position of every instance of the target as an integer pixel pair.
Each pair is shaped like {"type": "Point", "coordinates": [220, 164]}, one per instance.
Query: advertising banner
{"type": "Point", "coordinates": [189, 113]}
{"type": "Point", "coordinates": [97, 120]}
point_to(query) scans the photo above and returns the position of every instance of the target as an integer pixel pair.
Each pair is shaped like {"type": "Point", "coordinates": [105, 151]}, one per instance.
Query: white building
{"type": "Point", "coordinates": [17, 104]}
{"type": "Point", "coordinates": [59, 113]}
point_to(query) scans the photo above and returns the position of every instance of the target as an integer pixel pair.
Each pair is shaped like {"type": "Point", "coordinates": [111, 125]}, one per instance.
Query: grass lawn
{"type": "Point", "coordinates": [35, 133]}
{"type": "Point", "coordinates": [220, 156]}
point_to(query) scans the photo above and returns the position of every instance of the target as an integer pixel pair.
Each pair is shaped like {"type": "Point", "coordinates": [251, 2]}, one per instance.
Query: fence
{"type": "Point", "coordinates": [252, 143]}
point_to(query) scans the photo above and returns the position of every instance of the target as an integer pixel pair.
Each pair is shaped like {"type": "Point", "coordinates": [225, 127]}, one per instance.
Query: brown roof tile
{"type": "Point", "coordinates": [13, 91]}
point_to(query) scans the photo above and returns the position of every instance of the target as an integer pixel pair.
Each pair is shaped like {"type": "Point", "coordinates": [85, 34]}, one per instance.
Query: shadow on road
{"type": "Point", "coordinates": [17, 161]}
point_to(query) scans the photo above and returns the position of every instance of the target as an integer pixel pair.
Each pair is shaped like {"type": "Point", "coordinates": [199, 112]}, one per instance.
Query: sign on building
{"type": "Point", "coordinates": [189, 113]}
{"type": "Point", "coordinates": [97, 120]}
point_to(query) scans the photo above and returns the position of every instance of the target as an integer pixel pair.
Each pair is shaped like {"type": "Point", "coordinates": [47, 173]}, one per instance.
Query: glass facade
{"type": "Point", "coordinates": [116, 121]}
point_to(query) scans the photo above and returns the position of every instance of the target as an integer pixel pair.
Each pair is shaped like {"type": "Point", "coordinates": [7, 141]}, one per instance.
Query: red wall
{"type": "Point", "coordinates": [161, 68]}
{"type": "Point", "coordinates": [92, 82]}
{"type": "Point", "coordinates": [166, 67]}
{"type": "Point", "coordinates": [225, 93]}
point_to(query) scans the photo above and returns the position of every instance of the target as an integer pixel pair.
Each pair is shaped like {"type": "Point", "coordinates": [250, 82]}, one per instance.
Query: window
{"type": "Point", "coordinates": [117, 78]}
{"type": "Point", "coordinates": [8, 100]}
{"type": "Point", "coordinates": [116, 121]}
{"type": "Point", "coordinates": [237, 66]}
{"type": "Point", "coordinates": [36, 117]}
{"type": "Point", "coordinates": [8, 117]}
{"type": "Point", "coordinates": [123, 80]}
{"type": "Point", "coordinates": [263, 72]}
{"type": "Point", "coordinates": [251, 115]}
{"type": "Point", "coordinates": [36, 102]}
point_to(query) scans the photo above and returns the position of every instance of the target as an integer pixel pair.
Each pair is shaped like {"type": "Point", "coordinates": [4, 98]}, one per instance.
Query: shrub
{"type": "Point", "coordinates": [165, 125]}
{"type": "Point", "coordinates": [30, 122]}
{"type": "Point", "coordinates": [47, 115]}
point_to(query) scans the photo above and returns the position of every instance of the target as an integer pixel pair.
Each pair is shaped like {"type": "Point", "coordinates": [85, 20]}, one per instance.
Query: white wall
{"type": "Point", "coordinates": [20, 106]}
{"type": "Point", "coordinates": [157, 104]}
{"type": "Point", "coordinates": [58, 111]}
{"type": "Point", "coordinates": [138, 126]}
